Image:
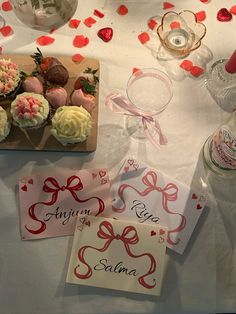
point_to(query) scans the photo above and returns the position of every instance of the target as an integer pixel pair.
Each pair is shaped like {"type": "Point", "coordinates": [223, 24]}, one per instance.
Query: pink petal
{"type": "Point", "coordinates": [122, 10]}
{"type": "Point", "coordinates": [167, 5]}
{"type": "Point", "coordinates": [6, 6]}
{"type": "Point", "coordinates": [135, 70]}
{"type": "Point", "coordinates": [174, 25]}
{"type": "Point", "coordinates": [200, 16]}
{"type": "Point", "coordinates": [196, 71]}
{"type": "Point", "coordinates": [204, 1]}
{"type": "Point", "coordinates": [77, 58]}
{"type": "Point", "coordinates": [143, 37]}
{"type": "Point", "coordinates": [74, 23]}
{"type": "Point", "coordinates": [89, 21]}
{"type": "Point", "coordinates": [186, 65]}
{"type": "Point", "coordinates": [80, 41]}
{"type": "Point", "coordinates": [6, 31]}
{"type": "Point", "coordinates": [45, 40]}
{"type": "Point", "coordinates": [152, 24]}
{"type": "Point", "coordinates": [233, 9]}
{"type": "Point", "coordinates": [98, 13]}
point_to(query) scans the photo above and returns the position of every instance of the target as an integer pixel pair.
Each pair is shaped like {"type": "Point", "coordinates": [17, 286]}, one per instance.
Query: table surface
{"type": "Point", "coordinates": [203, 279]}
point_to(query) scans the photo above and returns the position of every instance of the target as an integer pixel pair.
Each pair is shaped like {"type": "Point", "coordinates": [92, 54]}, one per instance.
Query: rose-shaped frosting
{"type": "Point", "coordinates": [71, 124]}
{"type": "Point", "coordinates": [9, 76]}
{"type": "Point", "coordinates": [29, 110]}
{"type": "Point", "coordinates": [4, 124]}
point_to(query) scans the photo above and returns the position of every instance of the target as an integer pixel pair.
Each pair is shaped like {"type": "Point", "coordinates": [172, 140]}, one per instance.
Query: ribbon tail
{"type": "Point", "coordinates": [156, 126]}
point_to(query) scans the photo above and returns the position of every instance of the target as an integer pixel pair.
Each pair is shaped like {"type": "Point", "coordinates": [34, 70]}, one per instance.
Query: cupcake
{"type": "Point", "coordinates": [71, 124]}
{"type": "Point", "coordinates": [5, 125]}
{"type": "Point", "coordinates": [29, 110]}
{"type": "Point", "coordinates": [10, 78]}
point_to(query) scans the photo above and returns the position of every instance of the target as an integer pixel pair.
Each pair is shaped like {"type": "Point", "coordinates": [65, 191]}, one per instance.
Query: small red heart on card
{"type": "Point", "coordinates": [153, 233]}
{"type": "Point", "coordinates": [30, 181]}
{"type": "Point", "coordinates": [162, 231]}
{"type": "Point", "coordinates": [87, 223]}
{"type": "Point", "coordinates": [194, 196]}
{"type": "Point", "coordinates": [199, 206]}
{"type": "Point", "coordinates": [103, 181]}
{"type": "Point", "coordinates": [24, 188]}
{"type": "Point", "coordinates": [105, 34]}
{"type": "Point", "coordinates": [224, 15]}
{"type": "Point", "coordinates": [130, 162]}
{"type": "Point", "coordinates": [126, 169]}
{"type": "Point", "coordinates": [102, 173]}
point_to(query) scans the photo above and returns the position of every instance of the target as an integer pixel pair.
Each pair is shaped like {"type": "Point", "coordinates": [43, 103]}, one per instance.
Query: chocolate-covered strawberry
{"type": "Point", "coordinates": [31, 83]}
{"type": "Point", "coordinates": [56, 96]}
{"type": "Point", "coordinates": [52, 70]}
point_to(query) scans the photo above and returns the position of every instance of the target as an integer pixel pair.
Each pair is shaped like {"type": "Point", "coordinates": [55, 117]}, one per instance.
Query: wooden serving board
{"type": "Point", "coordinates": [41, 139]}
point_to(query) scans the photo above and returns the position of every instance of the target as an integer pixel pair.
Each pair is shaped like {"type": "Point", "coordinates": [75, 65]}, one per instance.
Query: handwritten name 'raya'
{"type": "Point", "coordinates": [65, 215]}
{"type": "Point", "coordinates": [142, 212]}
{"type": "Point", "coordinates": [118, 268]}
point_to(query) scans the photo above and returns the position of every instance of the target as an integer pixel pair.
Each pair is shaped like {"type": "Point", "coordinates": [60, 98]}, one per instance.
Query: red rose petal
{"type": "Point", "coordinates": [167, 5]}
{"type": "Point", "coordinates": [204, 1]}
{"type": "Point", "coordinates": [105, 34]}
{"type": "Point", "coordinates": [77, 58]}
{"type": "Point", "coordinates": [122, 10]}
{"type": "Point", "coordinates": [45, 40]}
{"type": "Point", "coordinates": [152, 24]}
{"type": "Point", "coordinates": [6, 31]}
{"type": "Point", "coordinates": [6, 6]}
{"type": "Point", "coordinates": [233, 9]}
{"type": "Point", "coordinates": [200, 16]}
{"type": "Point", "coordinates": [80, 41]}
{"type": "Point", "coordinates": [224, 15]}
{"type": "Point", "coordinates": [174, 25]}
{"type": "Point", "coordinates": [135, 70]}
{"type": "Point", "coordinates": [98, 13]}
{"type": "Point", "coordinates": [186, 65]}
{"type": "Point", "coordinates": [89, 21]}
{"type": "Point", "coordinates": [196, 71]}
{"type": "Point", "coordinates": [74, 23]}
{"type": "Point", "coordinates": [143, 37]}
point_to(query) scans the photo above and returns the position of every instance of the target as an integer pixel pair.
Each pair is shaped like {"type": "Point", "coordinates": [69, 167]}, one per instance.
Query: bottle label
{"type": "Point", "coordinates": [223, 149]}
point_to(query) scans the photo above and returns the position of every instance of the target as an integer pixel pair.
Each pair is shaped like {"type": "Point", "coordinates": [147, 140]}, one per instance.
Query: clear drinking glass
{"type": "Point", "coordinates": [2, 21]}
{"type": "Point", "coordinates": [150, 91]}
{"type": "Point", "coordinates": [44, 14]}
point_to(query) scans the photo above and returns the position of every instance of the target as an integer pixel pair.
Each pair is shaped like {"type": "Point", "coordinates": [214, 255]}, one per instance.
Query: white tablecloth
{"type": "Point", "coordinates": [202, 280]}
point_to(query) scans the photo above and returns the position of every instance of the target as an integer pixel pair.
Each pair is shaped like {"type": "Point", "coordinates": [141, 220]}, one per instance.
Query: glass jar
{"type": "Point", "coordinates": [219, 150]}
{"type": "Point", "coordinates": [44, 14]}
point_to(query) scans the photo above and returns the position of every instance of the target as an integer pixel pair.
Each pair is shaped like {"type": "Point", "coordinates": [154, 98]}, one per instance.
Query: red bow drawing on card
{"type": "Point", "coordinates": [169, 194]}
{"type": "Point", "coordinates": [51, 186]}
{"type": "Point", "coordinates": [129, 237]}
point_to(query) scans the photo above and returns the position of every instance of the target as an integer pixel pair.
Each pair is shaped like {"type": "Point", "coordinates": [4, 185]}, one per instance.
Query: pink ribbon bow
{"type": "Point", "coordinates": [129, 237]}
{"type": "Point", "coordinates": [118, 103]}
{"type": "Point", "coordinates": [51, 185]}
{"type": "Point", "coordinates": [169, 194]}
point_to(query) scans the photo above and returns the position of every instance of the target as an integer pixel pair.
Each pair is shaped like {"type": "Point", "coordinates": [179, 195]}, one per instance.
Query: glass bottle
{"type": "Point", "coordinates": [219, 151]}
{"type": "Point", "coordinates": [44, 14]}
{"type": "Point", "coordinates": [221, 82]}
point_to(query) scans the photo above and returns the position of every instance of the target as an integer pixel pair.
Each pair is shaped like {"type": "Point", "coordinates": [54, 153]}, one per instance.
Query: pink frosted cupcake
{"type": "Point", "coordinates": [30, 111]}
{"type": "Point", "coordinates": [10, 78]}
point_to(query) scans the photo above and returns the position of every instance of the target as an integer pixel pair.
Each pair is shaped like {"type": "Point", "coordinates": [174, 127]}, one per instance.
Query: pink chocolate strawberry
{"type": "Point", "coordinates": [56, 96]}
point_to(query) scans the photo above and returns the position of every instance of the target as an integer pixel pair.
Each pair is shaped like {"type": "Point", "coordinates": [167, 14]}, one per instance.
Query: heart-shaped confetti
{"type": "Point", "coordinates": [152, 24]}
{"type": "Point", "coordinates": [153, 233]}
{"type": "Point", "coordinates": [186, 65]}
{"type": "Point", "coordinates": [194, 196]}
{"type": "Point", "coordinates": [167, 5]}
{"type": "Point", "coordinates": [80, 41]}
{"type": "Point", "coordinates": [130, 162]}
{"type": "Point", "coordinates": [122, 10]}
{"type": "Point", "coordinates": [74, 23]}
{"type": "Point", "coordinates": [6, 31]}
{"type": "Point", "coordinates": [45, 40]}
{"type": "Point", "coordinates": [24, 188]}
{"type": "Point", "coordinates": [103, 181]}
{"type": "Point", "coordinates": [224, 15]}
{"type": "Point", "coordinates": [143, 37]}
{"type": "Point", "coordinates": [200, 16]}
{"type": "Point", "coordinates": [98, 13]}
{"type": "Point", "coordinates": [105, 34]}
{"type": "Point", "coordinates": [6, 6]}
{"type": "Point", "coordinates": [77, 58]}
{"type": "Point", "coordinates": [89, 21]}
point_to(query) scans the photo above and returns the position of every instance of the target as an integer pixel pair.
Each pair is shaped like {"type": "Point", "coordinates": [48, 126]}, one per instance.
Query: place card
{"type": "Point", "coordinates": [50, 203]}
{"type": "Point", "coordinates": [116, 254]}
{"type": "Point", "coordinates": [146, 195]}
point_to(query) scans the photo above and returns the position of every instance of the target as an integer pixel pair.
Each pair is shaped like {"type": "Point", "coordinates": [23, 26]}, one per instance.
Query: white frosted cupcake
{"type": "Point", "coordinates": [71, 124]}
{"type": "Point", "coordinates": [5, 125]}
{"type": "Point", "coordinates": [29, 110]}
{"type": "Point", "coordinates": [10, 78]}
